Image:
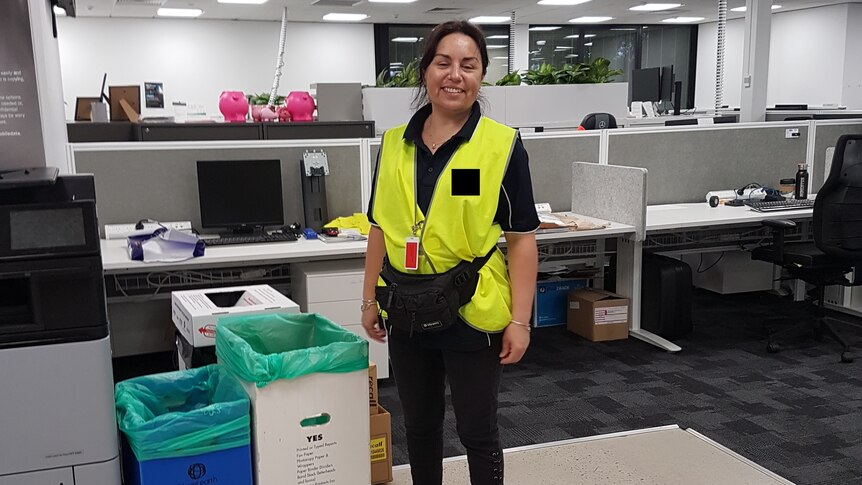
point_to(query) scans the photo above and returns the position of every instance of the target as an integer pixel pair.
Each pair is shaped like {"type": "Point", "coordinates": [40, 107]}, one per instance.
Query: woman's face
{"type": "Point", "coordinates": [455, 74]}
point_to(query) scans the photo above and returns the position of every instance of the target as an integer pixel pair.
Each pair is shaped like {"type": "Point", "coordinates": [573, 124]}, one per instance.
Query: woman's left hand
{"type": "Point", "coordinates": [516, 339]}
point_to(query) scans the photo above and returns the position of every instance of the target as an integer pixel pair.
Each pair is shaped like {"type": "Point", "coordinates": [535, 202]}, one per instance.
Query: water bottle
{"type": "Point", "coordinates": [801, 191]}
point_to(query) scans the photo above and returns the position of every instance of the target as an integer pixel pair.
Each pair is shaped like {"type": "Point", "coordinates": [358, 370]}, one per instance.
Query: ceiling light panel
{"type": "Point", "coordinates": [345, 17]}
{"type": "Point", "coordinates": [589, 20]}
{"type": "Point", "coordinates": [682, 20]}
{"type": "Point", "coordinates": [655, 7]}
{"type": "Point", "coordinates": [488, 19]}
{"type": "Point", "coordinates": [543, 28]}
{"type": "Point", "coordinates": [562, 2]}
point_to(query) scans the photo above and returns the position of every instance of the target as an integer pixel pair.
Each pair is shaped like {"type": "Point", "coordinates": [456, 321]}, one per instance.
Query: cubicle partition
{"type": "Point", "coordinates": [551, 156]}
{"type": "Point", "coordinates": [825, 137]}
{"type": "Point", "coordinates": [687, 162]}
{"type": "Point", "coordinates": [159, 180]}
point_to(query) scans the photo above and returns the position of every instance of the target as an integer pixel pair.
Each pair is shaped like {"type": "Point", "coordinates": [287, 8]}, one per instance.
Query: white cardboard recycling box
{"type": "Point", "coordinates": [312, 430]}
{"type": "Point", "coordinates": [196, 312]}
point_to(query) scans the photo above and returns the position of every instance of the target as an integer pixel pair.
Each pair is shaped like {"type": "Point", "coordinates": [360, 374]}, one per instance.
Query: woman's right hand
{"type": "Point", "coordinates": [372, 325]}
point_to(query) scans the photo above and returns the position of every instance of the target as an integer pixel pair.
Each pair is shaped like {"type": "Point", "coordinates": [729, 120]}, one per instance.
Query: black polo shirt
{"type": "Point", "coordinates": [516, 210]}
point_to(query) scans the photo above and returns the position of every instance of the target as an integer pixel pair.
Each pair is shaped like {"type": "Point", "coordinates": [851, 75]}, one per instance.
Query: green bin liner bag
{"type": "Point", "coordinates": [264, 348]}
{"type": "Point", "coordinates": [183, 413]}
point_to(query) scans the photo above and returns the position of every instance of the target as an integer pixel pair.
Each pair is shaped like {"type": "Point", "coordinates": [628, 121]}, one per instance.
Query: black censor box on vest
{"type": "Point", "coordinates": [465, 181]}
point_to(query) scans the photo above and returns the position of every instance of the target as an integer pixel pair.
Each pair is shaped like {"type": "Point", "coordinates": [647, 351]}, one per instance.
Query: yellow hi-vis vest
{"type": "Point", "coordinates": [456, 228]}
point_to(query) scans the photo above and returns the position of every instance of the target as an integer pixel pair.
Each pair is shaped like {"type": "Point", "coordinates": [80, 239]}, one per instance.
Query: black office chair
{"type": "Point", "coordinates": [598, 121]}
{"type": "Point", "coordinates": [837, 246]}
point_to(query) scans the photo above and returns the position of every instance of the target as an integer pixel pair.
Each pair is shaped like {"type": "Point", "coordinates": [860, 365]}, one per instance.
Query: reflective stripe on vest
{"type": "Point", "coordinates": [457, 227]}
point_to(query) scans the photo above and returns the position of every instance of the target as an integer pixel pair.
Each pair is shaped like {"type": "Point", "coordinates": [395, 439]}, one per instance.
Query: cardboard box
{"type": "Point", "coordinates": [196, 312]}
{"type": "Point", "coordinates": [598, 315]}
{"type": "Point", "coordinates": [549, 307]}
{"type": "Point", "coordinates": [372, 388]}
{"type": "Point", "coordinates": [311, 430]}
{"type": "Point", "coordinates": [381, 446]}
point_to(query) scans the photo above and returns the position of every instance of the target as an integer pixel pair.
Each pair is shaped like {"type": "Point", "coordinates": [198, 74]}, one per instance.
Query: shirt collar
{"type": "Point", "coordinates": [413, 132]}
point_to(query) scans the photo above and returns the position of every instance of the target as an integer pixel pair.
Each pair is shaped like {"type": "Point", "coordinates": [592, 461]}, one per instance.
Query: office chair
{"type": "Point", "coordinates": [598, 121]}
{"type": "Point", "coordinates": [837, 246]}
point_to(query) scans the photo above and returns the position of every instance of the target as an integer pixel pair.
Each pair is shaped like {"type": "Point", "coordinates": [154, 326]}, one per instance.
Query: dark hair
{"type": "Point", "coordinates": [437, 34]}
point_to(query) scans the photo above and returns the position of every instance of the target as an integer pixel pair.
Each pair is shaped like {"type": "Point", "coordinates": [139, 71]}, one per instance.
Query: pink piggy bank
{"type": "Point", "coordinates": [283, 114]}
{"type": "Point", "coordinates": [300, 105]}
{"type": "Point", "coordinates": [233, 106]}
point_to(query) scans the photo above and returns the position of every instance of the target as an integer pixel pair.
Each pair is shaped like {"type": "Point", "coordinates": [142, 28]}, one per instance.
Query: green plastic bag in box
{"type": "Point", "coordinates": [183, 413]}
{"type": "Point", "coordinates": [263, 348]}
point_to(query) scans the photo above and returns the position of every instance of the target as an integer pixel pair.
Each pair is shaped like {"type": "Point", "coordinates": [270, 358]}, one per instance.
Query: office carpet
{"type": "Point", "coordinates": [797, 413]}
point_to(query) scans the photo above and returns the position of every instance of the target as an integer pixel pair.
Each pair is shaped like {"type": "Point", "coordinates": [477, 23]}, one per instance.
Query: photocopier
{"type": "Point", "coordinates": [57, 421]}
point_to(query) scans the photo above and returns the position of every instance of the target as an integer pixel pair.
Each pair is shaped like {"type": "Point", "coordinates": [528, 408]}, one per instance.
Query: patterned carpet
{"type": "Point", "coordinates": [797, 413]}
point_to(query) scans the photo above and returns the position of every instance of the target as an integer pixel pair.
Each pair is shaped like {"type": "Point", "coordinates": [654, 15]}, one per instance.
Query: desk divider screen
{"type": "Point", "coordinates": [550, 157]}
{"type": "Point", "coordinates": [826, 135]}
{"type": "Point", "coordinates": [135, 182]}
{"type": "Point", "coordinates": [686, 163]}
{"type": "Point", "coordinates": [611, 192]}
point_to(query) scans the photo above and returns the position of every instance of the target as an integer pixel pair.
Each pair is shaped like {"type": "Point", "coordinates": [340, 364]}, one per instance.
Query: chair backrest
{"type": "Point", "coordinates": [598, 121]}
{"type": "Point", "coordinates": [838, 206]}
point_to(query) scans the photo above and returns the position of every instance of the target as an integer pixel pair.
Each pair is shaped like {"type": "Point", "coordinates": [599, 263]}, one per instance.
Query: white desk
{"type": "Point", "coordinates": [132, 313]}
{"type": "Point", "coordinates": [720, 226]}
{"type": "Point", "coordinates": [631, 122]}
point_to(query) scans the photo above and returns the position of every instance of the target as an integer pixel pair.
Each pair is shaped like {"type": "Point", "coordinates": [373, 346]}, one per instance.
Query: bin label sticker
{"type": "Point", "coordinates": [208, 331]}
{"type": "Point", "coordinates": [378, 449]}
{"type": "Point", "coordinates": [613, 314]}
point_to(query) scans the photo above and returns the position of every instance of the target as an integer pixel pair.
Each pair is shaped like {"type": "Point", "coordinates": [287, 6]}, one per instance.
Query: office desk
{"type": "Point", "coordinates": [697, 227]}
{"type": "Point", "coordinates": [138, 292]}
{"type": "Point", "coordinates": [630, 122]}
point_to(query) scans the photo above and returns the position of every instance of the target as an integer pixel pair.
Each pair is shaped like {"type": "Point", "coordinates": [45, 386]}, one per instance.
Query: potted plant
{"type": "Point", "coordinates": [260, 101]}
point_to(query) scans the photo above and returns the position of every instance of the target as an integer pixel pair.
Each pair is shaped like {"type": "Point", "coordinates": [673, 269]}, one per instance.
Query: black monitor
{"type": "Point", "coordinates": [240, 195]}
{"type": "Point", "coordinates": [646, 84]}
{"type": "Point", "coordinates": [667, 83]}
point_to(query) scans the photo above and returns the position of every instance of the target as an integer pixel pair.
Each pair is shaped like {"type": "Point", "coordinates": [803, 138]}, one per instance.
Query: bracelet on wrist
{"type": "Point", "coordinates": [521, 324]}
{"type": "Point", "coordinates": [366, 304]}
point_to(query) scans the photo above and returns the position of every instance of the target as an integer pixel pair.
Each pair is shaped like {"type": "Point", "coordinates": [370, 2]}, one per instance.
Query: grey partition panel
{"type": "Point", "coordinates": [825, 137]}
{"type": "Point", "coordinates": [685, 164]}
{"type": "Point", "coordinates": [375, 152]}
{"type": "Point", "coordinates": [610, 192]}
{"type": "Point", "coordinates": [162, 184]}
{"type": "Point", "coordinates": [550, 166]}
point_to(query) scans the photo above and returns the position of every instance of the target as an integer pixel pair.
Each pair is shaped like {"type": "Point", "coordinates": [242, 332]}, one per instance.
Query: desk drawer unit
{"type": "Point", "coordinates": [334, 290]}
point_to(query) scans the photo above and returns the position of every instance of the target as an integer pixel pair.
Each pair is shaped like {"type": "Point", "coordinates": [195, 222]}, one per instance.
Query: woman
{"type": "Point", "coordinates": [450, 182]}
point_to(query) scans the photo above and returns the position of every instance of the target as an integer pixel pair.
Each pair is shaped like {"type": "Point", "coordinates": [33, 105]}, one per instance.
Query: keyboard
{"type": "Point", "coordinates": [253, 239]}
{"type": "Point", "coordinates": [779, 205]}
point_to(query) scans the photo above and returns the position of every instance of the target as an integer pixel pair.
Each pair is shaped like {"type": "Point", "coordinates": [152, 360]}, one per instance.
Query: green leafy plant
{"type": "Point", "coordinates": [511, 79]}
{"type": "Point", "coordinates": [408, 77]}
{"type": "Point", "coordinates": [598, 71]}
{"type": "Point", "coordinates": [263, 99]}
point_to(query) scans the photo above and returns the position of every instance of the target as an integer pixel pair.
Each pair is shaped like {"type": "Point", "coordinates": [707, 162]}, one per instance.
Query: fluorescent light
{"type": "Point", "coordinates": [59, 11]}
{"type": "Point", "coordinates": [682, 20]}
{"type": "Point", "coordinates": [573, 36]}
{"type": "Point", "coordinates": [590, 20]}
{"type": "Point", "coordinates": [392, 1]}
{"type": "Point", "coordinates": [497, 37]}
{"type": "Point", "coordinates": [244, 2]}
{"type": "Point", "coordinates": [541, 42]}
{"type": "Point", "coordinates": [655, 7]}
{"type": "Point", "coordinates": [625, 29]}
{"type": "Point", "coordinates": [562, 48]}
{"type": "Point", "coordinates": [543, 28]}
{"type": "Point", "coordinates": [589, 44]}
{"type": "Point", "coordinates": [562, 2]}
{"type": "Point", "coordinates": [396, 63]}
{"type": "Point", "coordinates": [589, 36]}
{"type": "Point", "coordinates": [345, 17]}
{"type": "Point", "coordinates": [744, 8]}
{"type": "Point", "coordinates": [486, 19]}
{"type": "Point", "coordinates": [179, 12]}
{"type": "Point", "coordinates": [406, 39]}
{"type": "Point", "coordinates": [501, 57]}
{"type": "Point", "coordinates": [496, 46]}
{"type": "Point", "coordinates": [571, 56]}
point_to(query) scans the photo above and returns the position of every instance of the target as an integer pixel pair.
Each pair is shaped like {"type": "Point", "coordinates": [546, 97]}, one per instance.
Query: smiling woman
{"type": "Point", "coordinates": [451, 306]}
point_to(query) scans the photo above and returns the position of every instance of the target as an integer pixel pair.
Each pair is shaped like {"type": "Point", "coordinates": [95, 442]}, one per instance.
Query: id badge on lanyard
{"type": "Point", "coordinates": [411, 253]}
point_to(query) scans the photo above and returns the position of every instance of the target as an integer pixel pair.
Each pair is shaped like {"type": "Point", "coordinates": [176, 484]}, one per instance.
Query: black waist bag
{"type": "Point", "coordinates": [428, 302]}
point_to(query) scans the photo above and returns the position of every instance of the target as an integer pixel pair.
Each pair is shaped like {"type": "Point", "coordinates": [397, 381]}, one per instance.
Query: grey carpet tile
{"type": "Point", "coordinates": [798, 413]}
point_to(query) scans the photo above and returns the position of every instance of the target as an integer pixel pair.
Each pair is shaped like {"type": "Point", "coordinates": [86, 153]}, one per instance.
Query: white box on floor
{"type": "Point", "coordinates": [196, 312]}
{"type": "Point", "coordinates": [332, 446]}
{"type": "Point", "coordinates": [729, 272]}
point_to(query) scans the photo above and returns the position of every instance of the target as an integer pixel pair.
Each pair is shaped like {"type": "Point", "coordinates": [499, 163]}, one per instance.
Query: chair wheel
{"type": "Point", "coordinates": [773, 347]}
{"type": "Point", "coordinates": [846, 358]}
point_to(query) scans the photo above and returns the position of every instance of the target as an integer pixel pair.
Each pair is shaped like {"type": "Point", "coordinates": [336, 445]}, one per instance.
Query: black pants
{"type": "Point", "coordinates": [474, 379]}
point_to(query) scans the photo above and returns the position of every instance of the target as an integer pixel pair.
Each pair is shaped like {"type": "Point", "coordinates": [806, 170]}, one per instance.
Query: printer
{"type": "Point", "coordinates": [57, 419]}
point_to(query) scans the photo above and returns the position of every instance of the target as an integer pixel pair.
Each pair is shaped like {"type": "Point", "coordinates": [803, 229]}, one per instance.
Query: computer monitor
{"type": "Point", "coordinates": [667, 83]}
{"type": "Point", "coordinates": [240, 195]}
{"type": "Point", "coordinates": [646, 84]}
